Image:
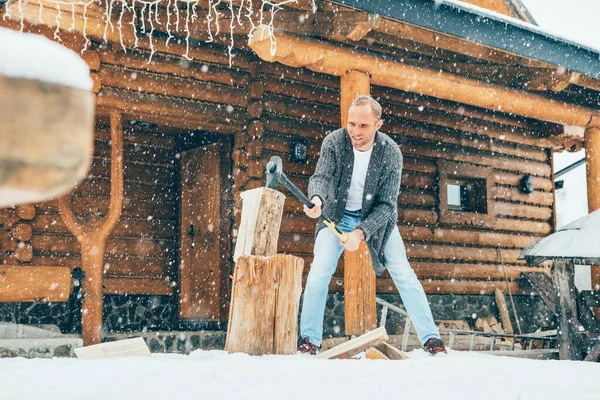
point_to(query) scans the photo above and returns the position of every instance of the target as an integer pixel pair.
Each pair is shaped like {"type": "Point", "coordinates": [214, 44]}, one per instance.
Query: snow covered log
{"type": "Point", "coordinates": [263, 318]}
{"type": "Point", "coordinates": [47, 116]}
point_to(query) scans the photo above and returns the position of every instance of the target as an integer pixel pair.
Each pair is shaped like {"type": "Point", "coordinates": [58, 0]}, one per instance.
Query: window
{"type": "Point", "coordinates": [465, 194]}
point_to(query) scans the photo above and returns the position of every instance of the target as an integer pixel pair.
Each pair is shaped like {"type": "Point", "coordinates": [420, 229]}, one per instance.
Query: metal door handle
{"type": "Point", "coordinates": [192, 235]}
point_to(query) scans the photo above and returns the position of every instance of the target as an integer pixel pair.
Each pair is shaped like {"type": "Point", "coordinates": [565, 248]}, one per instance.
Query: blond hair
{"type": "Point", "coordinates": [364, 100]}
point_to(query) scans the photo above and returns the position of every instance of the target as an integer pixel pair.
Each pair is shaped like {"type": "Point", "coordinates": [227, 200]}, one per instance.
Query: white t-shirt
{"type": "Point", "coordinates": [359, 174]}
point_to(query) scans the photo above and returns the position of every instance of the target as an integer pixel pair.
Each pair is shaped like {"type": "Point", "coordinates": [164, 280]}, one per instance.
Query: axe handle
{"type": "Point", "coordinates": [302, 197]}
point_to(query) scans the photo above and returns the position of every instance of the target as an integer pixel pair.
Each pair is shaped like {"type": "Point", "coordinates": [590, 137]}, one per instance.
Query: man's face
{"type": "Point", "coordinates": [362, 125]}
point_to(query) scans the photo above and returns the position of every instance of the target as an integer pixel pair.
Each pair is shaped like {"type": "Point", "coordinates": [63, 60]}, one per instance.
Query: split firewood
{"type": "Point", "coordinates": [392, 352]}
{"type": "Point", "coordinates": [355, 346]}
{"type": "Point", "coordinates": [373, 354]}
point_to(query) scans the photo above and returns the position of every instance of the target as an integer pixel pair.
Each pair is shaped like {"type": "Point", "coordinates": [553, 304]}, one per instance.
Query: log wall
{"type": "Point", "coordinates": [261, 107]}
{"type": "Point", "coordinates": [447, 258]}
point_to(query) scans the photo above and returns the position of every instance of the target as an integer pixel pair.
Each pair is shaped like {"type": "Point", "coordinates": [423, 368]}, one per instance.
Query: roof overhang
{"type": "Point", "coordinates": [492, 29]}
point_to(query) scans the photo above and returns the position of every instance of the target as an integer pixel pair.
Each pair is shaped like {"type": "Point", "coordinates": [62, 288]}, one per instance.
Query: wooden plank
{"type": "Point", "coordinates": [356, 345]}
{"type": "Point", "coordinates": [569, 342]}
{"type": "Point", "coordinates": [503, 308]}
{"type": "Point", "coordinates": [594, 353]}
{"type": "Point", "coordinates": [542, 285]}
{"type": "Point", "coordinates": [34, 283]}
{"type": "Point", "coordinates": [135, 347]}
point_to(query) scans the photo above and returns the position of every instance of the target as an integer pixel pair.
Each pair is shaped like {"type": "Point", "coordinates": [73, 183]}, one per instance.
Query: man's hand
{"type": "Point", "coordinates": [354, 239]}
{"type": "Point", "coordinates": [314, 212]}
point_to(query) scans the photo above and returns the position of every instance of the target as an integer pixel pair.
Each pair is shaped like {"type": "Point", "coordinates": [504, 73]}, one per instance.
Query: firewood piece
{"type": "Point", "coordinates": [330, 343]}
{"type": "Point", "coordinates": [374, 354]}
{"type": "Point", "coordinates": [391, 352]}
{"type": "Point", "coordinates": [135, 347]}
{"type": "Point", "coordinates": [503, 308]}
{"type": "Point", "coordinates": [258, 233]}
{"type": "Point", "coordinates": [357, 345]}
{"type": "Point", "coordinates": [263, 317]}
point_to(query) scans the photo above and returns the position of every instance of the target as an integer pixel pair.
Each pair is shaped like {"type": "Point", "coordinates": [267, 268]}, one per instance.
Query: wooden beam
{"type": "Point", "coordinates": [359, 292]}
{"type": "Point", "coordinates": [26, 283]}
{"type": "Point", "coordinates": [93, 238]}
{"type": "Point", "coordinates": [592, 158]}
{"type": "Point", "coordinates": [569, 340]}
{"type": "Point", "coordinates": [503, 309]}
{"type": "Point", "coordinates": [332, 60]}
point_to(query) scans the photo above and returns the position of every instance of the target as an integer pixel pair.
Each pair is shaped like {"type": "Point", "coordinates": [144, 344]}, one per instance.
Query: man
{"type": "Point", "coordinates": [356, 183]}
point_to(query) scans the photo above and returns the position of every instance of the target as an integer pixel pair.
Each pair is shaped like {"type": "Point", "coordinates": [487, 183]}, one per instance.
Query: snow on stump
{"type": "Point", "coordinates": [263, 318]}
{"type": "Point", "coordinates": [47, 114]}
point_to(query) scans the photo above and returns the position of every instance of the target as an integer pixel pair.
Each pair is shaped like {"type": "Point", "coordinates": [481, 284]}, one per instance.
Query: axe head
{"type": "Point", "coordinates": [273, 172]}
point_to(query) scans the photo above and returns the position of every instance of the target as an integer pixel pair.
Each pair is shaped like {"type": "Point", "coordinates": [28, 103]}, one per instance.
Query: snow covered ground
{"type": "Point", "coordinates": [218, 375]}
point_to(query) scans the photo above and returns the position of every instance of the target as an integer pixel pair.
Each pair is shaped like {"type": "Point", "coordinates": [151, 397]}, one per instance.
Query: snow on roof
{"type": "Point", "coordinates": [579, 239]}
{"type": "Point", "coordinates": [484, 12]}
{"type": "Point", "coordinates": [25, 55]}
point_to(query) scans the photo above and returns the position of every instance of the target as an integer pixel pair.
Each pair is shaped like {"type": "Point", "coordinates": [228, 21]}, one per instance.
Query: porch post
{"type": "Point", "coordinates": [92, 238]}
{"type": "Point", "coordinates": [360, 314]}
{"type": "Point", "coordinates": [592, 171]}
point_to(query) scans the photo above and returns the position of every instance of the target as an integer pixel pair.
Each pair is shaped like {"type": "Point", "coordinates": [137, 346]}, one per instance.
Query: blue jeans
{"type": "Point", "coordinates": [327, 252]}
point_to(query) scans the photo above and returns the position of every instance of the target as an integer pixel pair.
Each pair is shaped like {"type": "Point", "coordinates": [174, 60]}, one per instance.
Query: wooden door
{"type": "Point", "coordinates": [200, 275]}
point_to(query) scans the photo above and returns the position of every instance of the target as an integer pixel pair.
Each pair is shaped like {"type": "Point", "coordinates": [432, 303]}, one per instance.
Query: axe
{"type": "Point", "coordinates": [275, 175]}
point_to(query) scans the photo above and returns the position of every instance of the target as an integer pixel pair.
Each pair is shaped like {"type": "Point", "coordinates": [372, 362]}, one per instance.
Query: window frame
{"type": "Point", "coordinates": [467, 171]}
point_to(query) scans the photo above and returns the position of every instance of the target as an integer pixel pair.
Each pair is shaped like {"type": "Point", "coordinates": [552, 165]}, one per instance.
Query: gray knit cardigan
{"type": "Point", "coordinates": [331, 182]}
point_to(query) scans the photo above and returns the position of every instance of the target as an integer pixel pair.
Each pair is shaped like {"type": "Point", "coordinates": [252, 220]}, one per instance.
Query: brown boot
{"type": "Point", "coordinates": [306, 347]}
{"type": "Point", "coordinates": [435, 346]}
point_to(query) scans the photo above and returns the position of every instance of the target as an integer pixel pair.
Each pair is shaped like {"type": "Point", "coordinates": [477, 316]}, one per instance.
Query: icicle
{"type": "Point", "coordinates": [142, 17]}
{"type": "Point", "coordinates": [57, 24]}
{"type": "Point", "coordinates": [151, 31]}
{"type": "Point", "coordinates": [187, 31]}
{"type": "Point", "coordinates": [169, 23]}
{"type": "Point", "coordinates": [40, 12]}
{"type": "Point", "coordinates": [87, 41]}
{"type": "Point", "coordinates": [120, 26]}
{"type": "Point", "coordinates": [72, 27]}
{"type": "Point", "coordinates": [209, 19]}
{"type": "Point", "coordinates": [108, 15]}
{"type": "Point", "coordinates": [231, 24]}
{"type": "Point", "coordinates": [133, 25]}
{"type": "Point", "coordinates": [5, 16]}
{"type": "Point", "coordinates": [22, 16]}
{"type": "Point", "coordinates": [177, 13]}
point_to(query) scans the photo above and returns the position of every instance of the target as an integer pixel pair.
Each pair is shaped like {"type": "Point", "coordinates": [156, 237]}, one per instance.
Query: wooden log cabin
{"type": "Point", "coordinates": [189, 110]}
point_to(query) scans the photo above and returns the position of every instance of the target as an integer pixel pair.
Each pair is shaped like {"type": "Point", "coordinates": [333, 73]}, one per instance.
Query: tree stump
{"type": "Point", "coordinates": [258, 234]}
{"type": "Point", "coordinates": [46, 139]}
{"type": "Point", "coordinates": [263, 318]}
